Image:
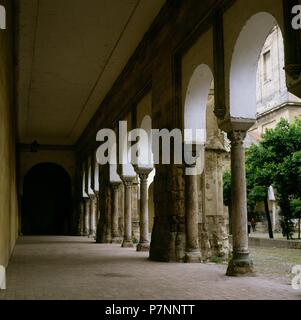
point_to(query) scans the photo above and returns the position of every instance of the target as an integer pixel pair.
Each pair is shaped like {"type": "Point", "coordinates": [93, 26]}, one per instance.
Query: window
{"type": "Point", "coordinates": [267, 66]}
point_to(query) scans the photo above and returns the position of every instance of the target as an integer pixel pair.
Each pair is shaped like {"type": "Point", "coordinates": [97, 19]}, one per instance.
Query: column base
{"type": "Point", "coordinates": [143, 246]}
{"type": "Point", "coordinates": [127, 244]}
{"type": "Point", "coordinates": [193, 256]}
{"type": "Point", "coordinates": [240, 265]}
{"type": "Point", "coordinates": [92, 235]}
{"type": "Point", "coordinates": [117, 240]}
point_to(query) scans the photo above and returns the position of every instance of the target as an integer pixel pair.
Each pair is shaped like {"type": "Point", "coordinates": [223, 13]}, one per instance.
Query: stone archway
{"type": "Point", "coordinates": [47, 201]}
{"type": "Point", "coordinates": [244, 65]}
{"type": "Point", "coordinates": [195, 106]}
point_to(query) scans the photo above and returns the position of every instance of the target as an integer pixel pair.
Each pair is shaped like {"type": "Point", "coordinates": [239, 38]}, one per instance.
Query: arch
{"type": "Point", "coordinates": [244, 65]}
{"type": "Point", "coordinates": [196, 102]}
{"type": "Point", "coordinates": [47, 201]}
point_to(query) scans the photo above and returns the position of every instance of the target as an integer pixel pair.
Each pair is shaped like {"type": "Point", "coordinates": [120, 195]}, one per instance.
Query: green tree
{"type": "Point", "coordinates": [275, 161]}
{"type": "Point", "coordinates": [284, 145]}
{"type": "Point", "coordinates": [278, 162]}
{"type": "Point", "coordinates": [296, 212]}
{"type": "Point", "coordinates": [259, 178]}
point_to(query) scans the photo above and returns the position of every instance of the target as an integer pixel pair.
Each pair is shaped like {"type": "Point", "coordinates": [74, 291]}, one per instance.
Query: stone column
{"type": "Point", "coordinates": [144, 236]}
{"type": "Point", "coordinates": [240, 262]}
{"type": "Point", "coordinates": [127, 239]}
{"type": "Point", "coordinates": [115, 213]}
{"type": "Point", "coordinates": [92, 231]}
{"type": "Point", "coordinates": [168, 234]}
{"type": "Point", "coordinates": [87, 217]}
{"type": "Point", "coordinates": [193, 253]}
{"type": "Point", "coordinates": [97, 209]}
{"type": "Point", "coordinates": [81, 221]}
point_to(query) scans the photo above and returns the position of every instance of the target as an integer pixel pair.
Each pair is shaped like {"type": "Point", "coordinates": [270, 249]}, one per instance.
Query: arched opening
{"type": "Point", "coordinates": [47, 201]}
{"type": "Point", "coordinates": [196, 103]}
{"type": "Point", "coordinates": [244, 65]}
{"type": "Point", "coordinates": [264, 83]}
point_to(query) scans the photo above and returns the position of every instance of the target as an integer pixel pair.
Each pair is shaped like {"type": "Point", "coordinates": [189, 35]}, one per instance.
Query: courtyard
{"type": "Point", "coordinates": [77, 268]}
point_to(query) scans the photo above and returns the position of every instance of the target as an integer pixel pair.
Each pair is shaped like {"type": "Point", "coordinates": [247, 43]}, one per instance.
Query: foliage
{"type": "Point", "coordinates": [296, 208]}
{"type": "Point", "coordinates": [276, 161]}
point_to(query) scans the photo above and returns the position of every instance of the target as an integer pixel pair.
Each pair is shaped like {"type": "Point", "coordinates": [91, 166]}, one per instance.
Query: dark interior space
{"type": "Point", "coordinates": [47, 201]}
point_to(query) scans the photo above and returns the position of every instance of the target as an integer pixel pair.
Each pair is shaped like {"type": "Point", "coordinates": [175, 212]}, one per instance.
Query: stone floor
{"type": "Point", "coordinates": [76, 268]}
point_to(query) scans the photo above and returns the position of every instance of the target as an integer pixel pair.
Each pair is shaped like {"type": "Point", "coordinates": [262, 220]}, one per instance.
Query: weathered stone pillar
{"type": "Point", "coordinates": [240, 262]}
{"type": "Point", "coordinates": [127, 239]}
{"type": "Point", "coordinates": [168, 235]}
{"type": "Point", "coordinates": [97, 209]}
{"type": "Point", "coordinates": [104, 223]}
{"type": "Point", "coordinates": [192, 253]}
{"type": "Point", "coordinates": [87, 217]}
{"type": "Point", "coordinates": [115, 213]}
{"type": "Point", "coordinates": [104, 234]}
{"type": "Point", "coordinates": [144, 236]}
{"type": "Point", "coordinates": [204, 242]}
{"type": "Point", "coordinates": [92, 232]}
{"type": "Point", "coordinates": [81, 221]}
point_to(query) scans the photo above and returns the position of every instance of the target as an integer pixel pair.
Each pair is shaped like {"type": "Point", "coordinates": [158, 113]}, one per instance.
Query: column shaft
{"type": "Point", "coordinates": [144, 237]}
{"type": "Point", "coordinates": [115, 214]}
{"type": "Point", "coordinates": [127, 240]}
{"type": "Point", "coordinates": [240, 263]}
{"type": "Point", "coordinates": [97, 210]}
{"type": "Point", "coordinates": [193, 253]}
{"type": "Point", "coordinates": [92, 232]}
{"type": "Point", "coordinates": [87, 217]}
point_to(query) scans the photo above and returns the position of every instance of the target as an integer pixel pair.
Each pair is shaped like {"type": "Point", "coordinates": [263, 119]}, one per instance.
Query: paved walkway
{"type": "Point", "coordinates": [76, 268]}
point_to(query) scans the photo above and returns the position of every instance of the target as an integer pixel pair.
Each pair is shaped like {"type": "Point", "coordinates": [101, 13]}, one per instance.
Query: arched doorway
{"type": "Point", "coordinates": [46, 201]}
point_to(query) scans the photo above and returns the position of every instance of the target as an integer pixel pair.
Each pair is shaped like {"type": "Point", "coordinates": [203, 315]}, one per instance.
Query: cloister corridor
{"type": "Point", "coordinates": [77, 268]}
{"type": "Point", "coordinates": [125, 130]}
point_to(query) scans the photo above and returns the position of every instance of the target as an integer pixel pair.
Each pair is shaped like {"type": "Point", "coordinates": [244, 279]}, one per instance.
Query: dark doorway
{"type": "Point", "coordinates": [47, 201]}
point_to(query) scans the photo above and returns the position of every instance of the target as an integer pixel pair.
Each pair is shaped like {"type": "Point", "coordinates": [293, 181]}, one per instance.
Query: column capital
{"type": "Point", "coordinates": [115, 185]}
{"type": "Point", "coordinates": [237, 137]}
{"type": "Point", "coordinates": [127, 181]}
{"type": "Point", "coordinates": [92, 196]}
{"type": "Point", "coordinates": [143, 173]}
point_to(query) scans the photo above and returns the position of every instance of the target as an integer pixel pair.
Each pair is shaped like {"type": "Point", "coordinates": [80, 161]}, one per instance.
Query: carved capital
{"type": "Point", "coordinates": [115, 185]}
{"type": "Point", "coordinates": [143, 177]}
{"type": "Point", "coordinates": [127, 182]}
{"type": "Point", "coordinates": [237, 138]}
